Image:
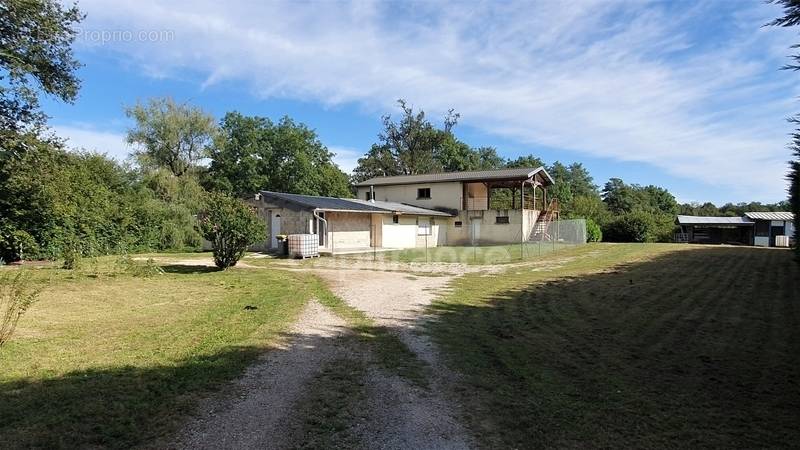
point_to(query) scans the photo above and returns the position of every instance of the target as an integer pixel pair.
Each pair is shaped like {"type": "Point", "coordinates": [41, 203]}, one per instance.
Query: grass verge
{"type": "Point", "coordinates": [109, 360]}
{"type": "Point", "coordinates": [630, 346]}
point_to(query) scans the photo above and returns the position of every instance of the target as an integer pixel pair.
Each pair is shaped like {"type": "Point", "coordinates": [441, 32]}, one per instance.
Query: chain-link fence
{"type": "Point", "coordinates": [545, 238]}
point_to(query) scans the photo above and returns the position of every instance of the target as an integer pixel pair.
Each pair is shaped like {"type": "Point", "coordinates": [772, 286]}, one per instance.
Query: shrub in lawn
{"type": "Point", "coordinates": [17, 294]}
{"type": "Point", "coordinates": [73, 258]}
{"type": "Point", "coordinates": [143, 269]}
{"type": "Point", "coordinates": [231, 226]}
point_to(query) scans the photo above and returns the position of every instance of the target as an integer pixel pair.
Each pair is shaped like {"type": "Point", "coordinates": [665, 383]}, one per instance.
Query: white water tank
{"type": "Point", "coordinates": [303, 245]}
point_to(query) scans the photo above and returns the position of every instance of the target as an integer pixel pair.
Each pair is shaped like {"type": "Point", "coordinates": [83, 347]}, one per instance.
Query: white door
{"type": "Point", "coordinates": [275, 228]}
{"type": "Point", "coordinates": [476, 230]}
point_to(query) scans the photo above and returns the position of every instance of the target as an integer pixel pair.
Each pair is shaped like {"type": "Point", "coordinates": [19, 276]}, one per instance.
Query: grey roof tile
{"type": "Point", "coordinates": [350, 204]}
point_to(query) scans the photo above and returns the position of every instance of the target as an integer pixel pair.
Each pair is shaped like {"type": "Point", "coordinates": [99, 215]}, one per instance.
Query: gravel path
{"type": "Point", "coordinates": [398, 414]}
{"type": "Point", "coordinates": [402, 415]}
{"type": "Point", "coordinates": [258, 416]}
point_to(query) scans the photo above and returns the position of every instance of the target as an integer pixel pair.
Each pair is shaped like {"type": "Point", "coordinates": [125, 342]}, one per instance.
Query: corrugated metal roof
{"type": "Point", "coordinates": [710, 220]}
{"type": "Point", "coordinates": [351, 204]}
{"type": "Point", "coordinates": [778, 215]}
{"type": "Point", "coordinates": [522, 173]}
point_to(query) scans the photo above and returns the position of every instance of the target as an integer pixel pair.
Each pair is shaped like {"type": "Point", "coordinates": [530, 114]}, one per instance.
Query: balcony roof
{"type": "Point", "coordinates": [498, 175]}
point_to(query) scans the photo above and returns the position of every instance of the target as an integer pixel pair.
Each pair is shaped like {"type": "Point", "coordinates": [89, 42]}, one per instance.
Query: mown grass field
{"type": "Point", "coordinates": [632, 346]}
{"type": "Point", "coordinates": [105, 359]}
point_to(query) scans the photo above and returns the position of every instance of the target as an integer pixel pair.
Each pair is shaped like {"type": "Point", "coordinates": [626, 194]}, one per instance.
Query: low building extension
{"type": "Point", "coordinates": [762, 229]}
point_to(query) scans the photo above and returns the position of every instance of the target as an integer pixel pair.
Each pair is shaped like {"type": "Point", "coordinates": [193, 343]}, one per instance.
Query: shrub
{"type": "Point", "coordinates": [16, 244]}
{"type": "Point", "coordinates": [593, 232]}
{"type": "Point", "coordinates": [639, 226]}
{"type": "Point", "coordinates": [231, 226]}
{"type": "Point", "coordinates": [629, 227]}
{"type": "Point", "coordinates": [142, 269]}
{"type": "Point", "coordinates": [17, 294]}
{"type": "Point", "coordinates": [72, 257]}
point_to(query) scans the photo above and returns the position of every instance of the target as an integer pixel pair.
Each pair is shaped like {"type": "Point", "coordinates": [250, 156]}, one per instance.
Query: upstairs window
{"type": "Point", "coordinates": [395, 219]}
{"type": "Point", "coordinates": [501, 219]}
{"type": "Point", "coordinates": [369, 195]}
{"type": "Point", "coordinates": [423, 193]}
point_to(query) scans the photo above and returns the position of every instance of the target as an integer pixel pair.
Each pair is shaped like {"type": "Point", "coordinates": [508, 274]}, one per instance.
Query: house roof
{"type": "Point", "coordinates": [710, 220]}
{"type": "Point", "coordinates": [521, 173]}
{"type": "Point", "coordinates": [778, 215]}
{"type": "Point", "coordinates": [350, 204]}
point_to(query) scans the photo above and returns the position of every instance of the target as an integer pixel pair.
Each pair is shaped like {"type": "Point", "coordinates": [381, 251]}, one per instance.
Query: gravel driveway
{"type": "Point", "coordinates": [398, 413]}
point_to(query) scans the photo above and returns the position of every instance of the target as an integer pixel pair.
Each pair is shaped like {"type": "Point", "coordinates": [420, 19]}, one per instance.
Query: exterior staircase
{"type": "Point", "coordinates": [541, 230]}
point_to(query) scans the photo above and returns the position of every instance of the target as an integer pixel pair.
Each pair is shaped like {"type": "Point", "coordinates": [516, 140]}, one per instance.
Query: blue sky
{"type": "Point", "coordinates": [686, 95]}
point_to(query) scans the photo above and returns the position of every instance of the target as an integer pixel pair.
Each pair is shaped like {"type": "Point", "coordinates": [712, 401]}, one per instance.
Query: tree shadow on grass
{"type": "Point", "coordinates": [123, 407]}
{"type": "Point", "coordinates": [696, 348]}
{"type": "Point", "coordinates": [189, 269]}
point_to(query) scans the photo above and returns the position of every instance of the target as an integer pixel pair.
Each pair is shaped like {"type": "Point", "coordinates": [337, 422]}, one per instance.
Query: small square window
{"type": "Point", "coordinates": [458, 224]}
{"type": "Point", "coordinates": [369, 196]}
{"type": "Point", "coordinates": [501, 219]}
{"type": "Point", "coordinates": [395, 219]}
{"type": "Point", "coordinates": [423, 193]}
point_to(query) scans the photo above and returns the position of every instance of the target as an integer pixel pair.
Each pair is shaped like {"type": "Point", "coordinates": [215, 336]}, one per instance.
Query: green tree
{"type": "Point", "coordinates": [411, 145]}
{"type": "Point", "coordinates": [525, 161]}
{"type": "Point", "coordinates": [253, 153]}
{"type": "Point", "coordinates": [170, 135]}
{"type": "Point", "coordinates": [231, 226]}
{"type": "Point", "coordinates": [790, 18]}
{"type": "Point", "coordinates": [36, 39]}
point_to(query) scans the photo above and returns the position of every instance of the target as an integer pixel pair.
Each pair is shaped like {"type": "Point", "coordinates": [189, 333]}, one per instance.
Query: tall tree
{"type": "Point", "coordinates": [790, 18]}
{"type": "Point", "coordinates": [526, 161]}
{"type": "Point", "coordinates": [252, 153]}
{"type": "Point", "coordinates": [410, 145]}
{"type": "Point", "coordinates": [36, 39]}
{"type": "Point", "coordinates": [170, 135]}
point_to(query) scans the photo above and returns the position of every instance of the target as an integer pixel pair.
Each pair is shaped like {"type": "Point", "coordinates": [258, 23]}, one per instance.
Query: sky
{"type": "Point", "coordinates": [686, 95]}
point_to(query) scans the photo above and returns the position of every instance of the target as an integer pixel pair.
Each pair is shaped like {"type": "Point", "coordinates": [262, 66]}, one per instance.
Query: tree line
{"type": "Point", "coordinates": [54, 201]}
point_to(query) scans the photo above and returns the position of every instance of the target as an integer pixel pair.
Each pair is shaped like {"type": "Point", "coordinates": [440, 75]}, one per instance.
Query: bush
{"type": "Point", "coordinates": [142, 269]}
{"type": "Point", "coordinates": [17, 294]}
{"type": "Point", "coordinates": [16, 244]}
{"type": "Point", "coordinates": [72, 257]}
{"type": "Point", "coordinates": [639, 226]}
{"type": "Point", "coordinates": [593, 232]}
{"type": "Point", "coordinates": [231, 226]}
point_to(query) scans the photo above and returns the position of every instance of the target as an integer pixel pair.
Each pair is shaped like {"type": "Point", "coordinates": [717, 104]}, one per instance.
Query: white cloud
{"type": "Point", "coordinates": [81, 137]}
{"type": "Point", "coordinates": [345, 157]}
{"type": "Point", "coordinates": [623, 80]}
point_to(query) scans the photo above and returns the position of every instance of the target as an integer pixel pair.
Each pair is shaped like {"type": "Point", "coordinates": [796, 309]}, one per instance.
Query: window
{"type": "Point", "coordinates": [423, 193]}
{"type": "Point", "coordinates": [424, 227]}
{"type": "Point", "coordinates": [501, 219]}
{"type": "Point", "coordinates": [368, 195]}
{"type": "Point", "coordinates": [395, 219]}
{"type": "Point", "coordinates": [762, 228]}
{"type": "Point", "coordinates": [458, 224]}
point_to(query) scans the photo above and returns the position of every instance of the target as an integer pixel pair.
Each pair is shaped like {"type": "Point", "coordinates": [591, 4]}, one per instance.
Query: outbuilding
{"type": "Point", "coordinates": [347, 225]}
{"type": "Point", "coordinates": [763, 229]}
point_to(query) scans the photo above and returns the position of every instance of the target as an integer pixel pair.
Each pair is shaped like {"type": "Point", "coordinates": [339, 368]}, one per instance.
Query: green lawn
{"type": "Point", "coordinates": [630, 346]}
{"type": "Point", "coordinates": [106, 359]}
{"type": "Point", "coordinates": [473, 255]}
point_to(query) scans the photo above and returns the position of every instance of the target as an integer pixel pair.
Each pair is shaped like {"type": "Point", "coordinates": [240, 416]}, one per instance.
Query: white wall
{"type": "Point", "coordinates": [399, 235]}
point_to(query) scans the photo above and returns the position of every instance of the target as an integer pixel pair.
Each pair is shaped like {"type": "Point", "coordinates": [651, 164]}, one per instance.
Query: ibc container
{"type": "Point", "coordinates": [303, 245]}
